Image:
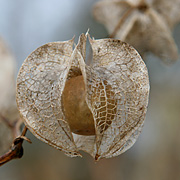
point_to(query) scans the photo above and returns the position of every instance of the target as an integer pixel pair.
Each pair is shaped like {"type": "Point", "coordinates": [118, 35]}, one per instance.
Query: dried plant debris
{"type": "Point", "coordinates": [98, 108]}
{"type": "Point", "coordinates": [8, 109]}
{"type": "Point", "coordinates": [145, 24]}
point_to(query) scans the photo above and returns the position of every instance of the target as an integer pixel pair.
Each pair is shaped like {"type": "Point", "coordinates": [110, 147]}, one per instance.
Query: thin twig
{"type": "Point", "coordinates": [16, 150]}
{"type": "Point", "coordinates": [6, 121]}
{"type": "Point", "coordinates": [14, 126]}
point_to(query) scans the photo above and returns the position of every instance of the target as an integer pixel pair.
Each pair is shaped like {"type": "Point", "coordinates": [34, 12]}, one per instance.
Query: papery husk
{"type": "Point", "coordinates": [115, 91]}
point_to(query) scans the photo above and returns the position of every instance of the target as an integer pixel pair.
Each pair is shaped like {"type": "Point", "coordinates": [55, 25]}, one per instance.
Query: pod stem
{"type": "Point", "coordinates": [16, 150]}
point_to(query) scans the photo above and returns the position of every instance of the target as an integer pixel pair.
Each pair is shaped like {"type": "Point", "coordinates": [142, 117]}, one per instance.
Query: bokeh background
{"type": "Point", "coordinates": [26, 25]}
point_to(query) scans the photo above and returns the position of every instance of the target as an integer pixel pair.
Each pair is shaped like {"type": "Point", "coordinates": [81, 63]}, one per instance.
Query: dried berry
{"type": "Point", "coordinates": [98, 108]}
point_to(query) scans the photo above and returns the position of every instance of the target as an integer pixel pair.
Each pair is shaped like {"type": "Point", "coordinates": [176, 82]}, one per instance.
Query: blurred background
{"type": "Point", "coordinates": [26, 25]}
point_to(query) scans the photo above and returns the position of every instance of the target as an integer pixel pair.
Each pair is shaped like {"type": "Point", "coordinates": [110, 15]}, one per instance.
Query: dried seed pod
{"type": "Point", "coordinates": [99, 108]}
{"type": "Point", "coordinates": [8, 109]}
{"type": "Point", "coordinates": [144, 24]}
{"type": "Point", "coordinates": [172, 7]}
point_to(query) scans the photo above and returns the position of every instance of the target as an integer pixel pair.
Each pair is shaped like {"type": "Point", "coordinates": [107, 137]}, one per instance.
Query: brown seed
{"type": "Point", "coordinates": [75, 108]}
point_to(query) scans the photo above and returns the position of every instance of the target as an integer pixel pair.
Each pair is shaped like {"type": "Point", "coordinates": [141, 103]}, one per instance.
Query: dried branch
{"type": "Point", "coordinates": [14, 126]}
{"type": "Point", "coordinates": [16, 150]}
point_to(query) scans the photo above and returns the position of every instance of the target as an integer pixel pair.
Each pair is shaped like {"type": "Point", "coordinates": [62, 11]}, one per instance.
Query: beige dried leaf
{"type": "Point", "coordinates": [144, 24]}
{"type": "Point", "coordinates": [98, 108]}
{"type": "Point", "coordinates": [8, 107]}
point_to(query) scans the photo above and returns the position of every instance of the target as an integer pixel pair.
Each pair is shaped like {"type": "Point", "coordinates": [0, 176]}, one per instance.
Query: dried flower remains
{"type": "Point", "coordinates": [9, 114]}
{"type": "Point", "coordinates": [146, 25]}
{"type": "Point", "coordinates": [98, 108]}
